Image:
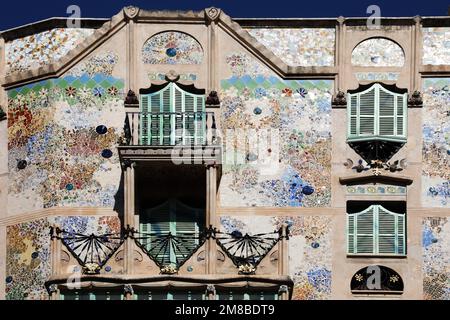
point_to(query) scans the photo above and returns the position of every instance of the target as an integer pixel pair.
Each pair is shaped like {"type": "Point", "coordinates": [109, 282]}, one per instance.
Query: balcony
{"type": "Point", "coordinates": [159, 261]}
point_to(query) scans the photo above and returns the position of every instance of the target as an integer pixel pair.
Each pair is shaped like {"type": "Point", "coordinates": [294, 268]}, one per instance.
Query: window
{"type": "Point", "coordinates": [377, 114]}
{"type": "Point", "coordinates": [181, 221]}
{"type": "Point", "coordinates": [246, 295]}
{"type": "Point", "coordinates": [169, 295]}
{"type": "Point", "coordinates": [91, 295]}
{"type": "Point", "coordinates": [172, 116]}
{"type": "Point", "coordinates": [376, 279]}
{"type": "Point", "coordinates": [376, 231]}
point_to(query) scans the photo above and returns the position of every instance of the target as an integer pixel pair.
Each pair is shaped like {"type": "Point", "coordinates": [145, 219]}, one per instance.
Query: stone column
{"type": "Point", "coordinates": [283, 256]}
{"type": "Point", "coordinates": [211, 194]}
{"type": "Point", "coordinates": [129, 211]}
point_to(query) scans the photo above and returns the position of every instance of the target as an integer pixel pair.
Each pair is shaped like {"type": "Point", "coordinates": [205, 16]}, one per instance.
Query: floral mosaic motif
{"type": "Point", "coordinates": [436, 46]}
{"type": "Point", "coordinates": [43, 48]}
{"type": "Point", "coordinates": [52, 126]}
{"type": "Point", "coordinates": [436, 258]}
{"type": "Point", "coordinates": [162, 76]}
{"type": "Point", "coordinates": [378, 52]}
{"type": "Point", "coordinates": [377, 76]}
{"type": "Point", "coordinates": [172, 48]}
{"type": "Point", "coordinates": [309, 247]}
{"type": "Point", "coordinates": [298, 111]}
{"type": "Point", "coordinates": [376, 189]}
{"type": "Point", "coordinates": [436, 143]}
{"type": "Point", "coordinates": [299, 47]}
{"type": "Point", "coordinates": [28, 251]}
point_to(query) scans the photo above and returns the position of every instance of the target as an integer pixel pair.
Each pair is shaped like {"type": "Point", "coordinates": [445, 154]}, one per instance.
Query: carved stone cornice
{"type": "Point", "coordinates": [371, 178]}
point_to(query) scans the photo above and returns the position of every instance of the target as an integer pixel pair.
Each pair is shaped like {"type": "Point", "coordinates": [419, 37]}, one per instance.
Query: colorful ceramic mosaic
{"type": "Point", "coordinates": [377, 76]}
{"type": "Point", "coordinates": [57, 157]}
{"type": "Point", "coordinates": [376, 190]}
{"type": "Point", "coordinates": [436, 258]}
{"type": "Point", "coordinates": [172, 48]}
{"type": "Point", "coordinates": [299, 47]}
{"type": "Point", "coordinates": [28, 251]}
{"type": "Point", "coordinates": [298, 112]}
{"type": "Point", "coordinates": [162, 76]}
{"type": "Point", "coordinates": [101, 63]}
{"type": "Point", "coordinates": [436, 143]}
{"type": "Point", "coordinates": [310, 249]}
{"type": "Point", "coordinates": [436, 46]}
{"type": "Point", "coordinates": [42, 48]}
{"type": "Point", "coordinates": [378, 52]}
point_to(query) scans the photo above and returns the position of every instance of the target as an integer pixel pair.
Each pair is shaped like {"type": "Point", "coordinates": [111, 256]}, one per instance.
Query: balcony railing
{"type": "Point", "coordinates": [170, 128]}
{"type": "Point", "coordinates": [167, 251]}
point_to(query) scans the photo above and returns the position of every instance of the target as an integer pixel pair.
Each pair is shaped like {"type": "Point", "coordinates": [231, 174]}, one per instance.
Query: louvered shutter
{"type": "Point", "coordinates": [376, 230]}
{"type": "Point", "coordinates": [351, 233]}
{"type": "Point", "coordinates": [189, 119]}
{"type": "Point", "coordinates": [353, 114]}
{"type": "Point", "coordinates": [365, 231]}
{"type": "Point", "coordinates": [386, 112]}
{"type": "Point", "coordinates": [401, 109]}
{"type": "Point", "coordinates": [187, 227]}
{"type": "Point", "coordinates": [386, 231]}
{"type": "Point", "coordinates": [367, 113]}
{"type": "Point", "coordinates": [178, 117]}
{"type": "Point", "coordinates": [144, 123]}
{"type": "Point", "coordinates": [155, 109]}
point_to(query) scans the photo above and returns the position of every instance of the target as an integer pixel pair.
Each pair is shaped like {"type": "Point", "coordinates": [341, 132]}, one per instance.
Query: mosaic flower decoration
{"type": "Point", "coordinates": [172, 48]}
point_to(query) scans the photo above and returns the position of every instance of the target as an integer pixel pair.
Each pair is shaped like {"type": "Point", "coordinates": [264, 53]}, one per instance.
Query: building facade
{"type": "Point", "coordinates": [189, 155]}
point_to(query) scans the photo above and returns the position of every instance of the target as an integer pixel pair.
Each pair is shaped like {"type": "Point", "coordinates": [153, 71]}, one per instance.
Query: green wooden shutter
{"type": "Point", "coordinates": [144, 125]}
{"type": "Point", "coordinates": [365, 231]}
{"type": "Point", "coordinates": [352, 114]}
{"type": "Point", "coordinates": [386, 112]}
{"type": "Point", "coordinates": [376, 230]}
{"type": "Point", "coordinates": [367, 113]}
{"type": "Point", "coordinates": [351, 233]}
{"type": "Point", "coordinates": [402, 109]}
{"type": "Point", "coordinates": [386, 231]}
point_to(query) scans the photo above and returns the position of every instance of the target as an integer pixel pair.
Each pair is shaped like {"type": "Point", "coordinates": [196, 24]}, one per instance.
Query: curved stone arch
{"type": "Point", "coordinates": [172, 47]}
{"type": "Point", "coordinates": [378, 52]}
{"type": "Point", "coordinates": [377, 279]}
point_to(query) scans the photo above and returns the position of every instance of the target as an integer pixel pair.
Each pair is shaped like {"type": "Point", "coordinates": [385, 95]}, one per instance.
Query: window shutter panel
{"type": "Point", "coordinates": [189, 129]}
{"type": "Point", "coordinates": [367, 113]}
{"type": "Point", "coordinates": [351, 233]}
{"type": "Point", "coordinates": [386, 113]}
{"type": "Point", "coordinates": [365, 231]}
{"type": "Point", "coordinates": [386, 231]}
{"type": "Point", "coordinates": [144, 135]}
{"type": "Point", "coordinates": [178, 117]}
{"type": "Point", "coordinates": [401, 100]}
{"type": "Point", "coordinates": [353, 114]}
{"type": "Point", "coordinates": [401, 234]}
{"type": "Point", "coordinates": [155, 109]}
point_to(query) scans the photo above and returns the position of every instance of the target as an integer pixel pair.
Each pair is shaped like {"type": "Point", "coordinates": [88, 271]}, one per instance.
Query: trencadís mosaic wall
{"type": "Point", "coordinates": [28, 263]}
{"type": "Point", "coordinates": [172, 48]}
{"type": "Point", "coordinates": [43, 48]}
{"type": "Point", "coordinates": [299, 47]}
{"type": "Point", "coordinates": [378, 52]}
{"type": "Point", "coordinates": [309, 245]}
{"type": "Point", "coordinates": [436, 46]}
{"type": "Point", "coordinates": [436, 258]}
{"type": "Point", "coordinates": [436, 143]}
{"type": "Point", "coordinates": [62, 139]}
{"type": "Point", "coordinates": [293, 172]}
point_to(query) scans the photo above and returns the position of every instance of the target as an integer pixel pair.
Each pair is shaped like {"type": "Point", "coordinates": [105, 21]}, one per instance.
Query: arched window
{"type": "Point", "coordinates": [376, 231]}
{"type": "Point", "coordinates": [170, 115]}
{"type": "Point", "coordinates": [377, 279]}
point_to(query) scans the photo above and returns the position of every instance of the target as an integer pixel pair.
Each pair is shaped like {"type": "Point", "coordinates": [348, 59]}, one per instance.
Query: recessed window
{"type": "Point", "coordinates": [373, 229]}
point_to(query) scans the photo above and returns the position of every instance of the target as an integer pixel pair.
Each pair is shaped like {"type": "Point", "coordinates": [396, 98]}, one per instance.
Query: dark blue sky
{"type": "Point", "coordinates": [18, 12]}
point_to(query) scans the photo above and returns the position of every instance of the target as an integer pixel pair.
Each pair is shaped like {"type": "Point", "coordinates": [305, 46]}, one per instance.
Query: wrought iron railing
{"type": "Point", "coordinates": [247, 251]}
{"type": "Point", "coordinates": [91, 251]}
{"type": "Point", "coordinates": [170, 128]}
{"type": "Point", "coordinates": [168, 251]}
